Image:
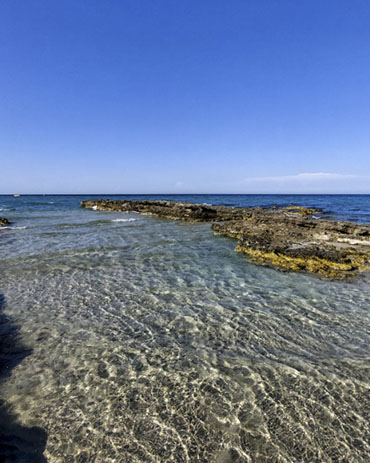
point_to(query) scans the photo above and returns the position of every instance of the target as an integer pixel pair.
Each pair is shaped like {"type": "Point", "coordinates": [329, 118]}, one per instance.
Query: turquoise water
{"type": "Point", "coordinates": [130, 338]}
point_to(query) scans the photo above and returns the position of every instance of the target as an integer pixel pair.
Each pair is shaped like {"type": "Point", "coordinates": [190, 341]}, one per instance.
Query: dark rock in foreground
{"type": "Point", "coordinates": [3, 222]}
{"type": "Point", "coordinates": [287, 238]}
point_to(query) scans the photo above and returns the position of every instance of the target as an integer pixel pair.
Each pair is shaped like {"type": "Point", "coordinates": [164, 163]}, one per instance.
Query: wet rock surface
{"type": "Point", "coordinates": [3, 222]}
{"type": "Point", "coordinates": [299, 243]}
{"type": "Point", "coordinates": [172, 209]}
{"type": "Point", "coordinates": [290, 238]}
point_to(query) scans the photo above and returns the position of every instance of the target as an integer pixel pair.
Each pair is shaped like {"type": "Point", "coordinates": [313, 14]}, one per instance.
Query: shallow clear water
{"type": "Point", "coordinates": [150, 340]}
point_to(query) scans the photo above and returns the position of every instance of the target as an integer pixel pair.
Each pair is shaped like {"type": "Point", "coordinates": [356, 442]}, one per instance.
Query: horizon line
{"type": "Point", "coordinates": [185, 194]}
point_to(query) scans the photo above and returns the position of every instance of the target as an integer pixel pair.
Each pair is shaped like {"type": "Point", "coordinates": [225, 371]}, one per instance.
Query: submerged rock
{"type": "Point", "coordinates": [287, 238]}
{"type": "Point", "coordinates": [3, 222]}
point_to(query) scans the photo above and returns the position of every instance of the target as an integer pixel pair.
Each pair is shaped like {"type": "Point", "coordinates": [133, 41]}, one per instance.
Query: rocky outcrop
{"type": "Point", "coordinates": [288, 238]}
{"type": "Point", "coordinates": [3, 222]}
{"type": "Point", "coordinates": [190, 211]}
{"type": "Point", "coordinates": [328, 248]}
{"type": "Point", "coordinates": [172, 209]}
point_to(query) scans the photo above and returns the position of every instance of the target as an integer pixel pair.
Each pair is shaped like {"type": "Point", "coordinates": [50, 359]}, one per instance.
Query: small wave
{"type": "Point", "coordinates": [12, 228]}
{"type": "Point", "coordinates": [124, 220]}
{"type": "Point", "coordinates": [36, 203]}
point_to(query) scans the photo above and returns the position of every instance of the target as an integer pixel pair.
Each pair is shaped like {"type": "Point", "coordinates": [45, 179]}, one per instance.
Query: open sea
{"type": "Point", "coordinates": [126, 338]}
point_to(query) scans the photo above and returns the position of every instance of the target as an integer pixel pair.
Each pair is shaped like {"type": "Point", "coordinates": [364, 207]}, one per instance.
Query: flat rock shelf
{"type": "Point", "coordinates": [291, 238]}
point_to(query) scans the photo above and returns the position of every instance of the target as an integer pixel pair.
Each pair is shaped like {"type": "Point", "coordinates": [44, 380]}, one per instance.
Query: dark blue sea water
{"type": "Point", "coordinates": [355, 208]}
{"type": "Point", "coordinates": [130, 338]}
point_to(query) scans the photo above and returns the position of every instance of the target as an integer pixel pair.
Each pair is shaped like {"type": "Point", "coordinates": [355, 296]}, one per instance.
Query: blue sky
{"type": "Point", "coordinates": [206, 96]}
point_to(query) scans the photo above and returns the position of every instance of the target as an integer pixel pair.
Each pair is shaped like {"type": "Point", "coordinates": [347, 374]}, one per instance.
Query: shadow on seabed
{"type": "Point", "coordinates": [17, 443]}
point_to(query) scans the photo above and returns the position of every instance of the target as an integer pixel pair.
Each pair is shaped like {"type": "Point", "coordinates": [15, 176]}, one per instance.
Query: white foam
{"type": "Point", "coordinates": [12, 228]}
{"type": "Point", "coordinates": [95, 208]}
{"type": "Point", "coordinates": [124, 220]}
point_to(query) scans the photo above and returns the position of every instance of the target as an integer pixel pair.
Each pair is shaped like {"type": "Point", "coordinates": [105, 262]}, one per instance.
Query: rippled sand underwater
{"type": "Point", "coordinates": [153, 341]}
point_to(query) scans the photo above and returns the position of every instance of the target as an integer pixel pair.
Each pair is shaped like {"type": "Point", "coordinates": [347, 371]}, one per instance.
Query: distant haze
{"type": "Point", "coordinates": [209, 96]}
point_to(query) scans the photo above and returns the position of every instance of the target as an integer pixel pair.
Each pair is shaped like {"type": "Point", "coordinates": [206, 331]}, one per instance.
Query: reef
{"type": "Point", "coordinates": [299, 243]}
{"type": "Point", "coordinates": [172, 209]}
{"type": "Point", "coordinates": [291, 238]}
{"type": "Point", "coordinates": [3, 222]}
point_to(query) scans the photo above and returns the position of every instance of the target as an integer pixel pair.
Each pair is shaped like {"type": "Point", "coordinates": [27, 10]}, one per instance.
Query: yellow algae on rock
{"type": "Point", "coordinates": [314, 264]}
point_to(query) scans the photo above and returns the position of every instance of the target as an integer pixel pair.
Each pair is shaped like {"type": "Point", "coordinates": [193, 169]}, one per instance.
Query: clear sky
{"type": "Point", "coordinates": [184, 96]}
